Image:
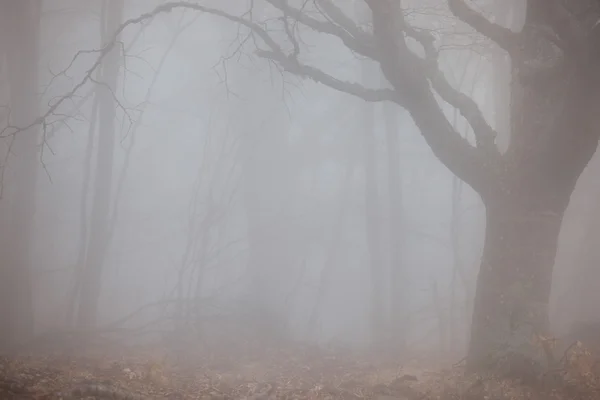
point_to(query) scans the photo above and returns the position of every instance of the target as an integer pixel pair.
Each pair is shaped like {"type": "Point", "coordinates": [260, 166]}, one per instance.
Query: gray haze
{"type": "Point", "coordinates": [234, 184]}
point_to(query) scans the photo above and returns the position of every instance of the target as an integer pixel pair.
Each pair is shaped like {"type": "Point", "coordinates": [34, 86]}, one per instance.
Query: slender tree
{"type": "Point", "coordinates": [373, 217]}
{"type": "Point", "coordinates": [332, 262]}
{"type": "Point", "coordinates": [398, 277]}
{"type": "Point", "coordinates": [20, 28]}
{"type": "Point", "coordinates": [91, 280]}
{"type": "Point", "coordinates": [368, 76]}
{"type": "Point", "coordinates": [262, 126]}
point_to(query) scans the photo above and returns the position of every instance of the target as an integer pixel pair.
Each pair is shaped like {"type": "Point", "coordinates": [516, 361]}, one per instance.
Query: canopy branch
{"type": "Point", "coordinates": [42, 120]}
{"type": "Point", "coordinates": [503, 37]}
{"type": "Point", "coordinates": [410, 75]}
{"type": "Point", "coordinates": [355, 39]}
{"type": "Point", "coordinates": [485, 135]}
{"type": "Point", "coordinates": [292, 65]}
{"type": "Point", "coordinates": [337, 15]}
{"type": "Point", "coordinates": [572, 38]}
{"type": "Point", "coordinates": [403, 69]}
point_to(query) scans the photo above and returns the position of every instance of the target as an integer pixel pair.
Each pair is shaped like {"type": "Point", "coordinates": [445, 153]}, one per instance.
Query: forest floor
{"type": "Point", "coordinates": [294, 372]}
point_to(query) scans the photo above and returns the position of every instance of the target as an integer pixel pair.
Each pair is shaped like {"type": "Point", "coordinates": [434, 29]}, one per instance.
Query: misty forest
{"type": "Point", "coordinates": [299, 199]}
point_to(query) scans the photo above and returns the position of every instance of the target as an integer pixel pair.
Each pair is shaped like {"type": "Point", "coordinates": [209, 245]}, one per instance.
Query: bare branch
{"type": "Point", "coordinates": [485, 136]}
{"type": "Point", "coordinates": [292, 65]}
{"type": "Point", "coordinates": [570, 36]}
{"type": "Point", "coordinates": [504, 37]}
{"type": "Point", "coordinates": [163, 8]}
{"type": "Point", "coordinates": [353, 37]}
{"type": "Point", "coordinates": [338, 16]}
{"type": "Point", "coordinates": [410, 77]}
{"type": "Point", "coordinates": [288, 31]}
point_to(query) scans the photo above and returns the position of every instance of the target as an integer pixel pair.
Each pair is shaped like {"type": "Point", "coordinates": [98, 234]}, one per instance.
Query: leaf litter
{"type": "Point", "coordinates": [267, 373]}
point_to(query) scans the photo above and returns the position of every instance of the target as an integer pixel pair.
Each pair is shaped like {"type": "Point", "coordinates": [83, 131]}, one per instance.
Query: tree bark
{"type": "Point", "coordinates": [554, 134]}
{"type": "Point", "coordinates": [585, 290]}
{"type": "Point", "coordinates": [513, 285]}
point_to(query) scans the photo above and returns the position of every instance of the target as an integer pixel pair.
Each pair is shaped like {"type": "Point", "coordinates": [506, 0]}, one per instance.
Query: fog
{"type": "Point", "coordinates": [220, 198]}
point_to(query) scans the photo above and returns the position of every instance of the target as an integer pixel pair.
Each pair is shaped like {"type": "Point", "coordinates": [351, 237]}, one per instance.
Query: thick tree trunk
{"type": "Point", "coordinates": [513, 286]}
{"type": "Point", "coordinates": [524, 216]}
{"type": "Point", "coordinates": [585, 291]}
{"type": "Point", "coordinates": [554, 134]}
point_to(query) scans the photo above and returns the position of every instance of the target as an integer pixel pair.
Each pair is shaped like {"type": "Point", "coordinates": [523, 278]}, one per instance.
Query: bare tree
{"type": "Point", "coordinates": [373, 215]}
{"type": "Point", "coordinates": [331, 264]}
{"type": "Point", "coordinates": [215, 191]}
{"type": "Point", "coordinates": [459, 269]}
{"type": "Point", "coordinates": [526, 189]}
{"type": "Point", "coordinates": [264, 144]}
{"type": "Point", "coordinates": [398, 271]}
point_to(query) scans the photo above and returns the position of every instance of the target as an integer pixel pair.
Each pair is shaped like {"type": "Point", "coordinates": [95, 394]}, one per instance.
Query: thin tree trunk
{"type": "Point", "coordinates": [373, 228]}
{"type": "Point", "coordinates": [441, 319]}
{"type": "Point", "coordinates": [91, 284]}
{"type": "Point", "coordinates": [83, 216]}
{"type": "Point", "coordinates": [266, 200]}
{"type": "Point", "coordinates": [331, 261]}
{"type": "Point", "coordinates": [398, 276]}
{"type": "Point", "coordinates": [264, 205]}
{"type": "Point", "coordinates": [21, 25]}
{"type": "Point", "coordinates": [372, 213]}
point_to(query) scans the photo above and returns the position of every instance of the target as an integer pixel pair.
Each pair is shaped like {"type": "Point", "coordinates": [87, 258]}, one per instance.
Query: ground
{"type": "Point", "coordinates": [289, 372]}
